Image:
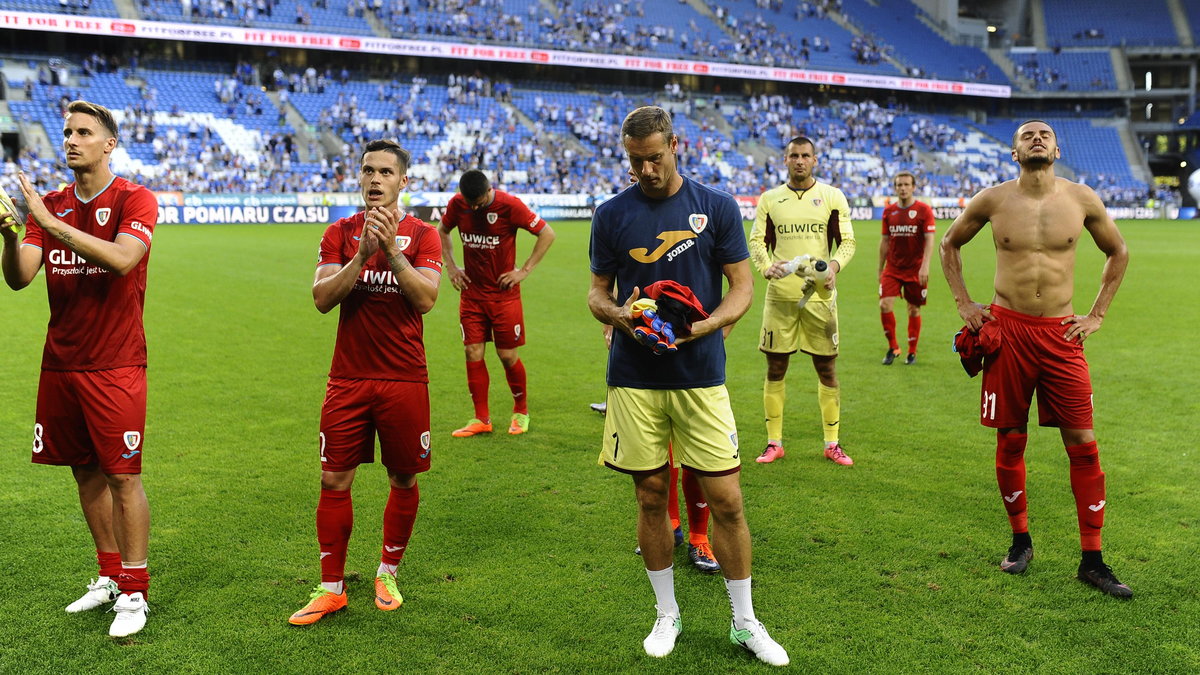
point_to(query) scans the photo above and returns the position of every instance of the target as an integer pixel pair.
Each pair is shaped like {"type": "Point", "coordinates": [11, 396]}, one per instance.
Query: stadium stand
{"type": "Point", "coordinates": [1192, 11]}
{"type": "Point", "coordinates": [81, 7]}
{"type": "Point", "coordinates": [515, 22]}
{"type": "Point", "coordinates": [1109, 22]}
{"type": "Point", "coordinates": [209, 131]}
{"type": "Point", "coordinates": [1075, 70]}
{"type": "Point", "coordinates": [217, 127]}
{"type": "Point", "coordinates": [1092, 150]}
{"type": "Point", "coordinates": [801, 35]}
{"type": "Point", "coordinates": [918, 46]}
{"type": "Point", "coordinates": [335, 16]}
{"type": "Point", "coordinates": [185, 130]}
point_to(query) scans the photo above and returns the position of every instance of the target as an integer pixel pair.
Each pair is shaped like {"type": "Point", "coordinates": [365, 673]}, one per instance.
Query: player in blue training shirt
{"type": "Point", "coordinates": [670, 227]}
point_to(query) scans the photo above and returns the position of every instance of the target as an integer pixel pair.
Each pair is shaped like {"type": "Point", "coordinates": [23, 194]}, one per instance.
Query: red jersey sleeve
{"type": "Point", "coordinates": [429, 250]}
{"type": "Point", "coordinates": [927, 214]}
{"type": "Point", "coordinates": [887, 211]}
{"type": "Point", "coordinates": [524, 217]}
{"type": "Point", "coordinates": [34, 234]}
{"type": "Point", "coordinates": [330, 252]}
{"type": "Point", "coordinates": [139, 214]}
{"type": "Point", "coordinates": [454, 213]}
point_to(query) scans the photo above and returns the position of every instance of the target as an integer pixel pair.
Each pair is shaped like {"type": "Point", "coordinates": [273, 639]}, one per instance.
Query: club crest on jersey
{"type": "Point", "coordinates": [102, 216]}
{"type": "Point", "coordinates": [817, 201]}
{"type": "Point", "coordinates": [492, 218]}
{"type": "Point", "coordinates": [912, 213]}
{"type": "Point", "coordinates": [403, 242]}
{"type": "Point", "coordinates": [133, 439]}
{"type": "Point", "coordinates": [698, 221]}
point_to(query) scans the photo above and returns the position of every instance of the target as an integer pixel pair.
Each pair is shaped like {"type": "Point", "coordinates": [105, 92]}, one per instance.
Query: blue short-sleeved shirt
{"type": "Point", "coordinates": [687, 238]}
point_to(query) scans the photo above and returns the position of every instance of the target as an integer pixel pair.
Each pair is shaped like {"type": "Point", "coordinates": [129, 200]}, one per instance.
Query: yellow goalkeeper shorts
{"type": "Point", "coordinates": [697, 423]}
{"type": "Point", "coordinates": [812, 329]}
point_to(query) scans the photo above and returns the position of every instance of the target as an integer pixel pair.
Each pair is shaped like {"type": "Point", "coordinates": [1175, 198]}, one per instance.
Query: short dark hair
{"type": "Point", "coordinates": [388, 145]}
{"type": "Point", "coordinates": [1018, 129]}
{"type": "Point", "coordinates": [102, 114]}
{"type": "Point", "coordinates": [473, 184]}
{"type": "Point", "coordinates": [801, 140]}
{"type": "Point", "coordinates": [905, 173]}
{"type": "Point", "coordinates": [646, 121]}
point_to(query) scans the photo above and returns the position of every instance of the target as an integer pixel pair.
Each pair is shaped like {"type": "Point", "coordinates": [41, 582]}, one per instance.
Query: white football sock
{"type": "Point", "coordinates": [739, 601]}
{"type": "Point", "coordinates": [663, 582]}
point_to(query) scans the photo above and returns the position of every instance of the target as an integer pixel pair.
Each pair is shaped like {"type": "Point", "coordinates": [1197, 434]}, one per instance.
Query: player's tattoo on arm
{"type": "Point", "coordinates": [65, 237]}
{"type": "Point", "coordinates": [399, 264]}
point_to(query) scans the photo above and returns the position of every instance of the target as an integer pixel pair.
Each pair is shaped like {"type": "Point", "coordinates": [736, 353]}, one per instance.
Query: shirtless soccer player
{"type": "Point", "coordinates": [1037, 221]}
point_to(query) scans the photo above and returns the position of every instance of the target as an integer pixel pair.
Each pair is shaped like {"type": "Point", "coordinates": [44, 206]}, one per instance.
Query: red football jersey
{"type": "Point", "coordinates": [95, 315]}
{"type": "Point", "coordinates": [489, 238]}
{"type": "Point", "coordinates": [379, 333]}
{"type": "Point", "coordinates": [906, 229]}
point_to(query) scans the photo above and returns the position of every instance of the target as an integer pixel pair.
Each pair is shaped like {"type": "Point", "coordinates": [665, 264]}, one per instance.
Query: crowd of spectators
{"type": "Point", "coordinates": [484, 20]}
{"type": "Point", "coordinates": [559, 148]}
{"type": "Point", "coordinates": [1037, 74]}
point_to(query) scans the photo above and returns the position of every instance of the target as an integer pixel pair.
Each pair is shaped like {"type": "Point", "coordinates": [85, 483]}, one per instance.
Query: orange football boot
{"type": "Point", "coordinates": [320, 604]}
{"type": "Point", "coordinates": [475, 426]}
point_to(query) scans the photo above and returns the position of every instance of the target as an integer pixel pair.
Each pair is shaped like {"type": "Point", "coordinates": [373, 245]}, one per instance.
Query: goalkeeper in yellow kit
{"type": "Point", "coordinates": [801, 217]}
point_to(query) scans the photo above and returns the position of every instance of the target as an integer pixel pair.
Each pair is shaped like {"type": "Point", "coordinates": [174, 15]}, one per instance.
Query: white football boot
{"type": "Point", "coordinates": [99, 592]}
{"type": "Point", "coordinates": [754, 639]}
{"type": "Point", "coordinates": [661, 639]}
{"type": "Point", "coordinates": [131, 610]}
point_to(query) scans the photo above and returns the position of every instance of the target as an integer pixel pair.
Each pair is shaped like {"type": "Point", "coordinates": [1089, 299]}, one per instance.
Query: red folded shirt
{"type": "Point", "coordinates": [973, 347]}
{"type": "Point", "coordinates": [679, 298]}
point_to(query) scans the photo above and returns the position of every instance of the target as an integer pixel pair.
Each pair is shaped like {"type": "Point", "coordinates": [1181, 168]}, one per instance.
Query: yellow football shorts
{"type": "Point", "coordinates": [697, 423]}
{"type": "Point", "coordinates": [812, 329]}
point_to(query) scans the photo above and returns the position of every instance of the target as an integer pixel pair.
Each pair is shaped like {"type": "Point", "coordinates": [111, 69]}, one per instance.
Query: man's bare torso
{"type": "Point", "coordinates": [1036, 235]}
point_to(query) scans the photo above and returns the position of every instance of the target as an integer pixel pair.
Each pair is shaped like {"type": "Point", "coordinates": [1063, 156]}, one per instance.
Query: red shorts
{"type": "Point", "coordinates": [483, 321]}
{"type": "Point", "coordinates": [354, 410]}
{"type": "Point", "coordinates": [892, 284]}
{"type": "Point", "coordinates": [1033, 356]}
{"type": "Point", "coordinates": [93, 417]}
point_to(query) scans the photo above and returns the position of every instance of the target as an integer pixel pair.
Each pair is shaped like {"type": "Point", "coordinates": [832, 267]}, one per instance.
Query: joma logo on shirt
{"type": "Point", "coordinates": [668, 239]}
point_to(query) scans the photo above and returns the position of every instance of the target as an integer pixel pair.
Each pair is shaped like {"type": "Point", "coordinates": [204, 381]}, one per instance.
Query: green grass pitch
{"type": "Point", "coordinates": [522, 556]}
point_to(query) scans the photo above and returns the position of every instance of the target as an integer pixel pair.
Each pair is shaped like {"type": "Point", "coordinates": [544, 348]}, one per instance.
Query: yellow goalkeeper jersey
{"type": "Point", "coordinates": [790, 223]}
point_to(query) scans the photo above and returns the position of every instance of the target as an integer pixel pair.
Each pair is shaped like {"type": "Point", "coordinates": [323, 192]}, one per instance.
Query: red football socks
{"type": "Point", "coordinates": [889, 329]}
{"type": "Point", "coordinates": [398, 518]}
{"type": "Point", "coordinates": [673, 497]}
{"type": "Point", "coordinates": [697, 509]}
{"type": "Point", "coordinates": [477, 384]}
{"type": "Point", "coordinates": [134, 580]}
{"type": "Point", "coordinates": [335, 520]}
{"type": "Point", "coordinates": [1087, 484]}
{"type": "Point", "coordinates": [110, 563]}
{"type": "Point", "coordinates": [1010, 475]}
{"type": "Point", "coordinates": [914, 333]}
{"type": "Point", "coordinates": [516, 382]}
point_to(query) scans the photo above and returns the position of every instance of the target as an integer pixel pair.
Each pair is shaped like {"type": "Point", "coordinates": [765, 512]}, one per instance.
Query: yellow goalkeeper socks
{"type": "Point", "coordinates": [774, 393]}
{"type": "Point", "coordinates": [830, 400]}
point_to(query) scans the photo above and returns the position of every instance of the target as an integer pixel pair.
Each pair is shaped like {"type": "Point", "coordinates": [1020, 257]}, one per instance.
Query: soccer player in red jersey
{"type": "Point", "coordinates": [904, 254]}
{"type": "Point", "coordinates": [487, 220]}
{"type": "Point", "coordinates": [93, 239]}
{"type": "Point", "coordinates": [1037, 221]}
{"type": "Point", "coordinates": [382, 267]}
